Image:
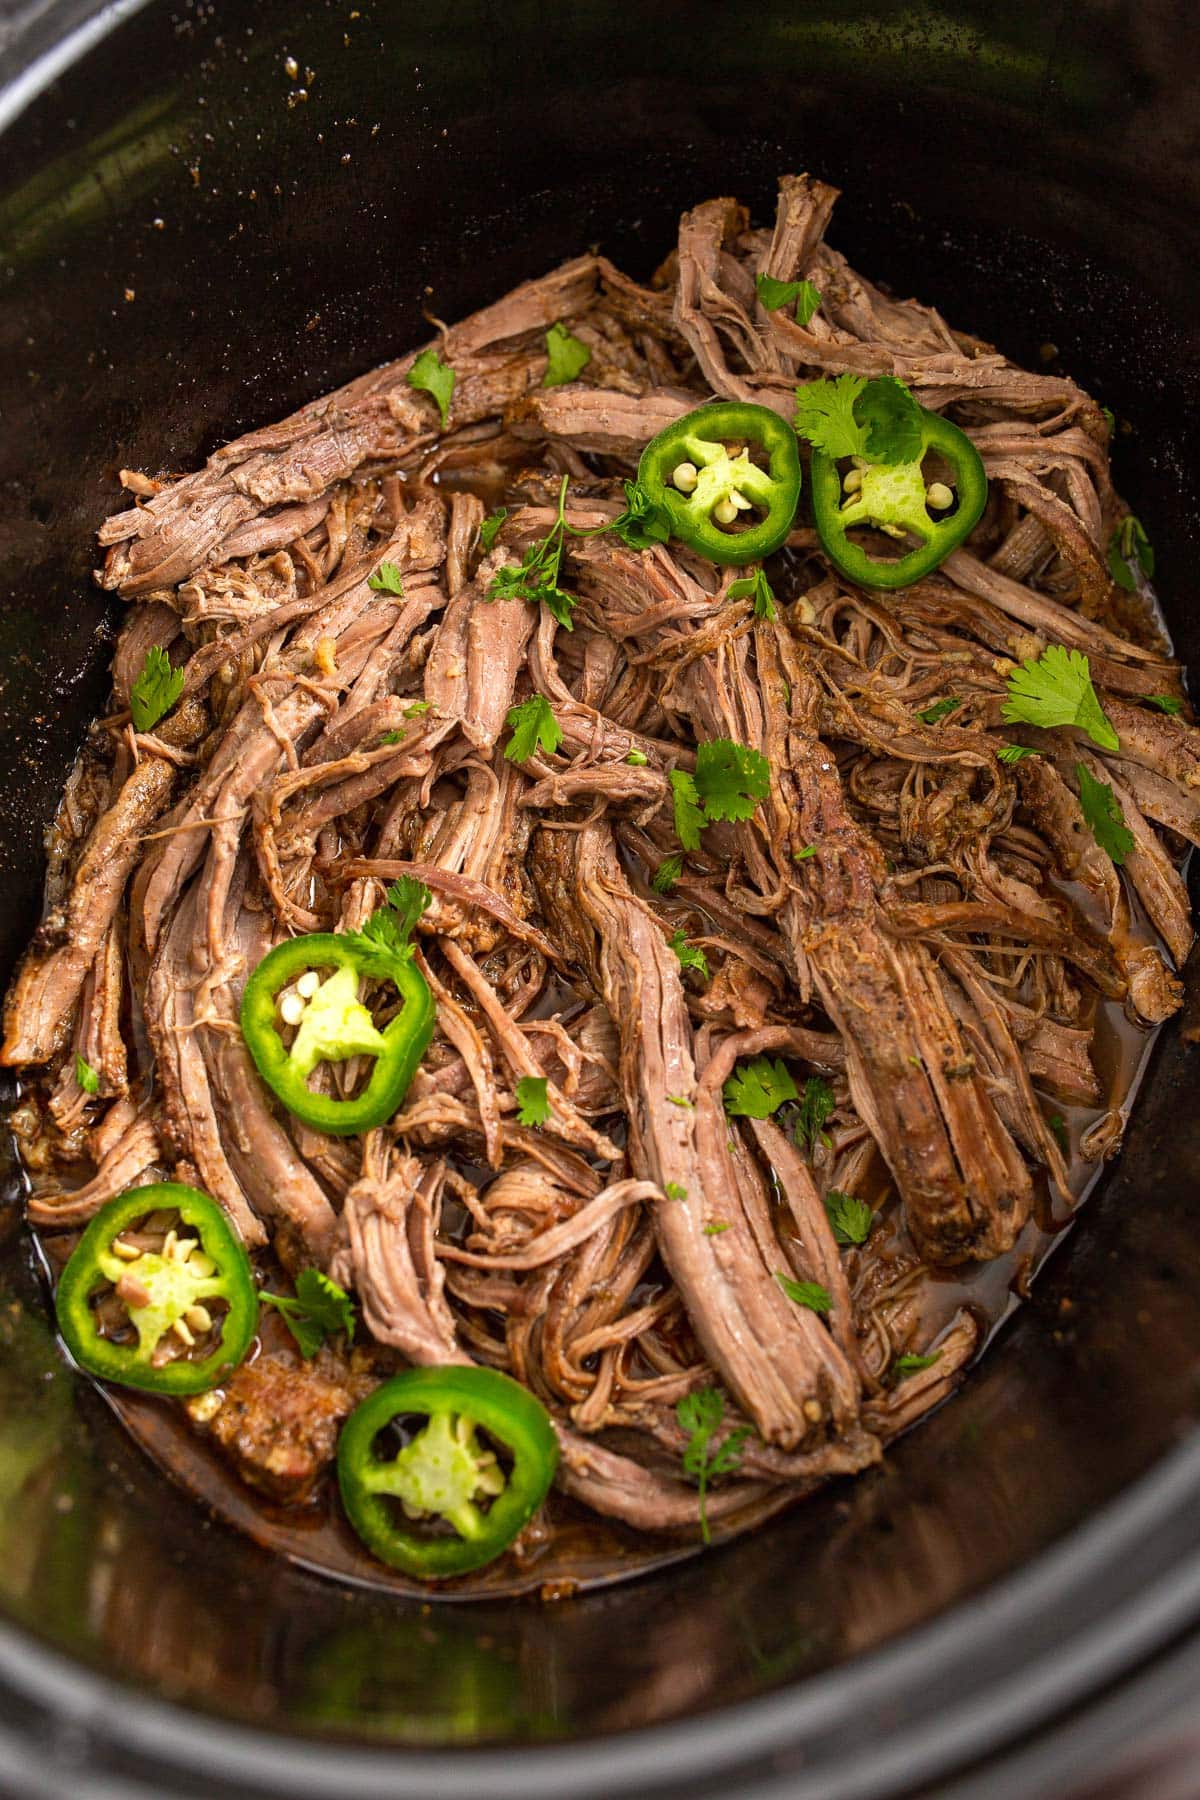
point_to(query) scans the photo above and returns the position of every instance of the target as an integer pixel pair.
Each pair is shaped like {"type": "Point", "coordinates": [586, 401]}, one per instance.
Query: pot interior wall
{"type": "Point", "coordinates": [194, 240]}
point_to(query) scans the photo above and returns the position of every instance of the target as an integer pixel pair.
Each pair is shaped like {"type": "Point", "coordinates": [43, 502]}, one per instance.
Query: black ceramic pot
{"type": "Point", "coordinates": [193, 240]}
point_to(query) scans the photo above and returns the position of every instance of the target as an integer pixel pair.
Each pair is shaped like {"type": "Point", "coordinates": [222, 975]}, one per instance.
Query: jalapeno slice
{"type": "Point", "coordinates": [718, 499]}
{"type": "Point", "coordinates": [444, 1473]}
{"type": "Point", "coordinates": [332, 1024]}
{"type": "Point", "coordinates": [171, 1308]}
{"type": "Point", "coordinates": [895, 499]}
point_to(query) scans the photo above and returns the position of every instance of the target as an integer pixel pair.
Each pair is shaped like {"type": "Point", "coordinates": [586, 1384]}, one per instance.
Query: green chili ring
{"type": "Point", "coordinates": [402, 1043]}
{"type": "Point", "coordinates": [899, 492]}
{"type": "Point", "coordinates": [436, 1469]}
{"type": "Point", "coordinates": [171, 1286]}
{"type": "Point", "coordinates": [700, 439]}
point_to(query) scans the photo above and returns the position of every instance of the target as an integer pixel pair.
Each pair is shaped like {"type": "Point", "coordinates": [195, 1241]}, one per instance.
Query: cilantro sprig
{"type": "Point", "coordinates": [387, 579]}
{"type": "Point", "coordinates": [816, 1104]}
{"type": "Point", "coordinates": [851, 416]}
{"type": "Point", "coordinates": [85, 1076]}
{"type": "Point", "coordinates": [318, 1309]}
{"type": "Point", "coordinates": [156, 689]}
{"type": "Point", "coordinates": [755, 587]}
{"type": "Point", "coordinates": [533, 1103]}
{"type": "Point", "coordinates": [850, 1218]}
{"type": "Point", "coordinates": [430, 375]}
{"type": "Point", "coordinates": [912, 1365]}
{"type": "Point", "coordinates": [1102, 812]}
{"type": "Point", "coordinates": [534, 727]}
{"type": "Point", "coordinates": [1128, 546]}
{"type": "Point", "coordinates": [690, 955]}
{"type": "Point", "coordinates": [490, 528]}
{"type": "Point", "coordinates": [941, 709]}
{"type": "Point", "coordinates": [1056, 688]}
{"type": "Point", "coordinates": [811, 1294]}
{"type": "Point", "coordinates": [568, 356]}
{"type": "Point", "coordinates": [700, 1414]}
{"type": "Point", "coordinates": [774, 295]}
{"type": "Point", "coordinates": [667, 874]}
{"type": "Point", "coordinates": [386, 936]}
{"type": "Point", "coordinates": [535, 578]}
{"type": "Point", "coordinates": [644, 522]}
{"type": "Point", "coordinates": [759, 1088]}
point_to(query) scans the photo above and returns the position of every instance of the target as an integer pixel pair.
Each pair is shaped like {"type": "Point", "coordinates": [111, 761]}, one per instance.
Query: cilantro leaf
{"type": "Point", "coordinates": [1102, 812]}
{"type": "Point", "coordinates": [1056, 689]}
{"type": "Point", "coordinates": [568, 356]}
{"type": "Point", "coordinates": [806, 1293]}
{"type": "Point", "coordinates": [643, 522]}
{"type": "Point", "coordinates": [533, 1106]}
{"type": "Point", "coordinates": [1166, 703]}
{"type": "Point", "coordinates": [730, 780]}
{"type": "Point", "coordinates": [757, 1089]}
{"type": "Point", "coordinates": [892, 419]}
{"type": "Point", "coordinates": [1110, 419]}
{"type": "Point", "coordinates": [850, 1217]}
{"type": "Point", "coordinates": [675, 1190]}
{"type": "Point", "coordinates": [912, 1365]}
{"type": "Point", "coordinates": [387, 934]}
{"type": "Point", "coordinates": [825, 415]}
{"type": "Point", "coordinates": [1012, 753]}
{"type": "Point", "coordinates": [318, 1309]}
{"type": "Point", "coordinates": [392, 737]}
{"type": "Point", "coordinates": [689, 956]}
{"type": "Point", "coordinates": [689, 815]}
{"type": "Point", "coordinates": [535, 578]}
{"type": "Point", "coordinates": [667, 874]}
{"type": "Point", "coordinates": [557, 601]}
{"type": "Point", "coordinates": [415, 708]}
{"type": "Point", "coordinates": [534, 727]}
{"type": "Point", "coordinates": [755, 587]}
{"type": "Point", "coordinates": [637, 759]}
{"type": "Point", "coordinates": [85, 1076]}
{"type": "Point", "coordinates": [715, 1227]}
{"type": "Point", "coordinates": [941, 709]}
{"type": "Point", "coordinates": [386, 579]}
{"type": "Point", "coordinates": [434, 377]}
{"type": "Point", "coordinates": [816, 1104]}
{"type": "Point", "coordinates": [490, 528]}
{"type": "Point", "coordinates": [157, 688]}
{"type": "Point", "coordinates": [775, 294]}
{"type": "Point", "coordinates": [803, 855]}
{"type": "Point", "coordinates": [700, 1414]}
{"type": "Point", "coordinates": [1129, 545]}
{"type": "Point", "coordinates": [408, 898]}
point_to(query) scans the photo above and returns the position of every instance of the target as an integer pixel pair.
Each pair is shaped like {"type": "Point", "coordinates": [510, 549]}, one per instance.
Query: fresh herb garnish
{"type": "Point", "coordinates": [568, 356]}
{"type": "Point", "coordinates": [533, 1105]}
{"type": "Point", "coordinates": [806, 1293]}
{"type": "Point", "coordinates": [535, 578]}
{"type": "Point", "coordinates": [1102, 812]}
{"type": "Point", "coordinates": [1129, 545]}
{"type": "Point", "coordinates": [388, 932]}
{"type": "Point", "coordinates": [1110, 419]}
{"type": "Point", "coordinates": [852, 416]}
{"type": "Point", "coordinates": [1056, 689]}
{"type": "Point", "coordinates": [816, 1103]}
{"type": "Point", "coordinates": [759, 1088]}
{"type": "Point", "coordinates": [434, 377]}
{"type": "Point", "coordinates": [643, 522]}
{"type": "Point", "coordinates": [715, 1227]}
{"type": "Point", "coordinates": [850, 1217]}
{"type": "Point", "coordinates": [637, 759]}
{"type": "Point", "coordinates": [689, 814]}
{"type": "Point", "coordinates": [803, 855]}
{"type": "Point", "coordinates": [85, 1076]}
{"type": "Point", "coordinates": [157, 688]}
{"type": "Point", "coordinates": [1012, 753]}
{"type": "Point", "coordinates": [1166, 703]}
{"type": "Point", "coordinates": [392, 737]}
{"type": "Point", "coordinates": [689, 956]}
{"type": "Point", "coordinates": [912, 1365]}
{"type": "Point", "coordinates": [757, 588]}
{"type": "Point", "coordinates": [490, 528]}
{"type": "Point", "coordinates": [667, 874]}
{"type": "Point", "coordinates": [386, 579]}
{"type": "Point", "coordinates": [534, 727]}
{"type": "Point", "coordinates": [730, 779]}
{"type": "Point", "coordinates": [699, 1414]}
{"type": "Point", "coordinates": [775, 294]}
{"type": "Point", "coordinates": [941, 709]}
{"type": "Point", "coordinates": [415, 708]}
{"type": "Point", "coordinates": [682, 1100]}
{"type": "Point", "coordinates": [318, 1308]}
{"type": "Point", "coordinates": [675, 1190]}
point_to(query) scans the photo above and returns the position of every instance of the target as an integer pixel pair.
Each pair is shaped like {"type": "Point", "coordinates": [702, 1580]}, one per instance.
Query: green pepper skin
{"type": "Point", "coordinates": [943, 535]}
{"type": "Point", "coordinates": [405, 1039]}
{"type": "Point", "coordinates": [507, 1411]}
{"type": "Point", "coordinates": [128, 1364]}
{"type": "Point", "coordinates": [777, 489]}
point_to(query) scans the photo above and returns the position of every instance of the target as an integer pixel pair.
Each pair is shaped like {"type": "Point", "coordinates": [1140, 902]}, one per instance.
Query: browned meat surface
{"type": "Point", "coordinates": [950, 977]}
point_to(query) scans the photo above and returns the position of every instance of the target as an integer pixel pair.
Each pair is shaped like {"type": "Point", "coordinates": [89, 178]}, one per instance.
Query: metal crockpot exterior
{"type": "Point", "coordinates": [211, 211]}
